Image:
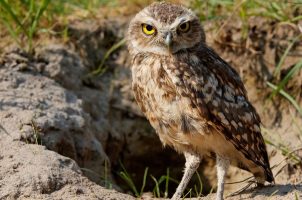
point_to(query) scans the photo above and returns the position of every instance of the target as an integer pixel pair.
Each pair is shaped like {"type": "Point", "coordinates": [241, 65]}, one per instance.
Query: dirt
{"type": "Point", "coordinates": [64, 135]}
{"type": "Point", "coordinates": [29, 171]}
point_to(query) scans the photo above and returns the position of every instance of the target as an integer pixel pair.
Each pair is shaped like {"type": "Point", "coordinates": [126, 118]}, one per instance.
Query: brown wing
{"type": "Point", "coordinates": [215, 85]}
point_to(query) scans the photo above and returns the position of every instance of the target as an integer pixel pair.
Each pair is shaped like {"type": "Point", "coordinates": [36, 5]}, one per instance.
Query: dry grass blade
{"type": "Point", "coordinates": [236, 182]}
{"type": "Point", "coordinates": [241, 189]}
{"type": "Point", "coordinates": [287, 157]}
{"type": "Point", "coordinates": [4, 130]}
{"type": "Point", "coordinates": [275, 192]}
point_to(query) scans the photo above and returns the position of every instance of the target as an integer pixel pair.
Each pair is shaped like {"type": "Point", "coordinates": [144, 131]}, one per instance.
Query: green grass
{"type": "Point", "coordinates": [297, 67]}
{"type": "Point", "coordinates": [281, 84]}
{"type": "Point", "coordinates": [164, 179]}
{"type": "Point", "coordinates": [287, 96]}
{"type": "Point", "coordinates": [161, 184]}
{"type": "Point", "coordinates": [25, 20]}
{"type": "Point", "coordinates": [128, 180]}
{"type": "Point", "coordinates": [280, 11]}
{"type": "Point", "coordinates": [284, 55]}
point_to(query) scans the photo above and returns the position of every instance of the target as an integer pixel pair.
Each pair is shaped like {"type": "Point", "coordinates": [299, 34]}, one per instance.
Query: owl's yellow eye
{"type": "Point", "coordinates": [184, 27]}
{"type": "Point", "coordinates": [148, 29]}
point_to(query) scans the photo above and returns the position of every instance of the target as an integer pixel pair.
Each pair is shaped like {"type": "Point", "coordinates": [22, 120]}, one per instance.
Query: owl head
{"type": "Point", "coordinates": [164, 29]}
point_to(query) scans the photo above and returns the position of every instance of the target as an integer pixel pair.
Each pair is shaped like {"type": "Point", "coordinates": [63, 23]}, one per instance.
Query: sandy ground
{"type": "Point", "coordinates": [29, 171]}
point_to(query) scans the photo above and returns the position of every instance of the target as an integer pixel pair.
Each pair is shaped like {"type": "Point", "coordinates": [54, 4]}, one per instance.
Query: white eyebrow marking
{"type": "Point", "coordinates": [177, 22]}
{"type": "Point", "coordinates": [180, 20]}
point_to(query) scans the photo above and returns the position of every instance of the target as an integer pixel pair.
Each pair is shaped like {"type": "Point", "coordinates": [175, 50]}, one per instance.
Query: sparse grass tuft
{"type": "Point", "coordinates": [22, 20]}
{"type": "Point", "coordinates": [36, 132]}
{"type": "Point", "coordinates": [127, 178]}
{"type": "Point", "coordinates": [26, 20]}
{"type": "Point", "coordinates": [161, 185]}
{"type": "Point", "coordinates": [285, 54]}
{"type": "Point", "coordinates": [279, 10]}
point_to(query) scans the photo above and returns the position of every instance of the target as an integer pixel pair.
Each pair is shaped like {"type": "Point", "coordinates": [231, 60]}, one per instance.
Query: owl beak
{"type": "Point", "coordinates": [168, 40]}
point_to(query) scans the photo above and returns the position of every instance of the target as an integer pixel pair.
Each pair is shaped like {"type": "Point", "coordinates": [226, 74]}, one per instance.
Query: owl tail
{"type": "Point", "coordinates": [265, 175]}
{"type": "Point", "coordinates": [269, 175]}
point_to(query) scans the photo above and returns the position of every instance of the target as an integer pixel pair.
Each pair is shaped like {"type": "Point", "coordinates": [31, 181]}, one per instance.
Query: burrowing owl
{"type": "Point", "coordinates": [193, 98]}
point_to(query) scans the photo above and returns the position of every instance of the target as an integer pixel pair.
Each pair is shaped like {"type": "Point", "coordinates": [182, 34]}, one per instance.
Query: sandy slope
{"type": "Point", "coordinates": [29, 171]}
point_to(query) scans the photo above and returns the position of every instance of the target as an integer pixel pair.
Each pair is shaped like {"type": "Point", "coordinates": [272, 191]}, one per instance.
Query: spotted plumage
{"type": "Point", "coordinates": [195, 100]}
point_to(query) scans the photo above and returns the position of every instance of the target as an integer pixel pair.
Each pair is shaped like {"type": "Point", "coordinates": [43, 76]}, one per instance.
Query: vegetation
{"type": "Point", "coordinates": [161, 188]}
{"type": "Point", "coordinates": [26, 23]}
{"type": "Point", "coordinates": [27, 20]}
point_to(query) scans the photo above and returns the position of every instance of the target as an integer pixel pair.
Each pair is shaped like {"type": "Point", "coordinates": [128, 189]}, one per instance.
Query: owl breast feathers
{"type": "Point", "coordinates": [192, 97]}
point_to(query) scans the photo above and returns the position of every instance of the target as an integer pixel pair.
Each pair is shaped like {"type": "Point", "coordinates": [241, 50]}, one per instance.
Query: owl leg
{"type": "Point", "coordinates": [192, 163]}
{"type": "Point", "coordinates": [222, 167]}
